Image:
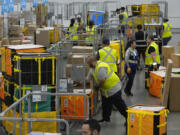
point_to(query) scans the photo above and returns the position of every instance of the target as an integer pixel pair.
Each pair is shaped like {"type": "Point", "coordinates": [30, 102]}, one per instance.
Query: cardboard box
{"type": "Point", "coordinates": [43, 38]}
{"type": "Point", "coordinates": [15, 42]}
{"type": "Point", "coordinates": [174, 100]}
{"type": "Point", "coordinates": [5, 41]}
{"type": "Point", "coordinates": [26, 42]}
{"type": "Point", "coordinates": [68, 70]}
{"type": "Point", "coordinates": [176, 60]}
{"type": "Point", "coordinates": [77, 59]}
{"type": "Point", "coordinates": [82, 49]}
{"type": "Point", "coordinates": [166, 53]}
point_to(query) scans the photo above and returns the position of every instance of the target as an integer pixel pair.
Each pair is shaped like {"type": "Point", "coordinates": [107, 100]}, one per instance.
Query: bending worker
{"type": "Point", "coordinates": [110, 85]}
{"type": "Point", "coordinates": [108, 55]}
{"type": "Point", "coordinates": [152, 59]}
{"type": "Point", "coordinates": [131, 59]}
{"type": "Point", "coordinates": [167, 34]}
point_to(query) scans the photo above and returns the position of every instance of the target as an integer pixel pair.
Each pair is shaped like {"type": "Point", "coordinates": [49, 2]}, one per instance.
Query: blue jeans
{"type": "Point", "coordinates": [166, 40]}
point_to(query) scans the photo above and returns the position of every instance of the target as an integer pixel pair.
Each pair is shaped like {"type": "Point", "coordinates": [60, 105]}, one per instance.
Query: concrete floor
{"type": "Point", "coordinates": [141, 96]}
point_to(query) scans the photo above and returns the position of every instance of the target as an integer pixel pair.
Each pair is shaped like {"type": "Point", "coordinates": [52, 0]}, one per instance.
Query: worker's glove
{"type": "Point", "coordinates": [129, 70]}
{"type": "Point", "coordinates": [155, 65]}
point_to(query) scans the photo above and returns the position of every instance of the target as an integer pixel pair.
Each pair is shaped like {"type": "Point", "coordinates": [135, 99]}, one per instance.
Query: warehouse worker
{"type": "Point", "coordinates": [73, 30]}
{"type": "Point", "coordinates": [152, 59]}
{"type": "Point", "coordinates": [110, 85]}
{"type": "Point", "coordinates": [131, 58]}
{"type": "Point", "coordinates": [91, 127]}
{"type": "Point", "coordinates": [167, 34]}
{"type": "Point", "coordinates": [123, 17]}
{"type": "Point", "coordinates": [152, 53]}
{"type": "Point", "coordinates": [80, 23]}
{"type": "Point", "coordinates": [90, 30]}
{"type": "Point", "coordinates": [108, 55]}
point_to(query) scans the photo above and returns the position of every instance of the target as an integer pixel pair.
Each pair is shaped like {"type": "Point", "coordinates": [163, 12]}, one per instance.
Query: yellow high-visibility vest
{"type": "Point", "coordinates": [167, 30]}
{"type": "Point", "coordinates": [111, 80]}
{"type": "Point", "coordinates": [73, 30]}
{"type": "Point", "coordinates": [109, 56]}
{"type": "Point", "coordinates": [125, 17]}
{"type": "Point", "coordinates": [148, 59]}
{"type": "Point", "coordinates": [91, 31]}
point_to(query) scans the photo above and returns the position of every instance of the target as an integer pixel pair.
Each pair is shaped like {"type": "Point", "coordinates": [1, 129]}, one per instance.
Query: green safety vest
{"type": "Point", "coordinates": [111, 80]}
{"type": "Point", "coordinates": [108, 55]}
{"type": "Point", "coordinates": [90, 39]}
{"type": "Point", "coordinates": [125, 17]}
{"type": "Point", "coordinates": [167, 30]}
{"type": "Point", "coordinates": [148, 59]}
{"type": "Point", "coordinates": [73, 30]}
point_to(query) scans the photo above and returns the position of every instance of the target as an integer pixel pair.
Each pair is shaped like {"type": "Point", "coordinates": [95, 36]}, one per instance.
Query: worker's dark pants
{"type": "Point", "coordinates": [130, 82]}
{"type": "Point", "coordinates": [166, 40]}
{"type": "Point", "coordinates": [115, 100]}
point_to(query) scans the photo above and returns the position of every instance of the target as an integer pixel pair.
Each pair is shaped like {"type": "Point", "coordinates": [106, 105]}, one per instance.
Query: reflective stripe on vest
{"type": "Point", "coordinates": [108, 55]}
{"type": "Point", "coordinates": [167, 30]}
{"type": "Point", "coordinates": [111, 80]}
{"type": "Point", "coordinates": [132, 61]}
{"type": "Point", "coordinates": [148, 59]}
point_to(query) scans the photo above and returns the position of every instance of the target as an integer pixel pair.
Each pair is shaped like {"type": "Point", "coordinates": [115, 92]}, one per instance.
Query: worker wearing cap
{"type": "Point", "coordinates": [80, 24]}
{"type": "Point", "coordinates": [90, 30]}
{"type": "Point", "coordinates": [167, 34]}
{"type": "Point", "coordinates": [108, 55]}
{"type": "Point", "coordinates": [152, 59]}
{"type": "Point", "coordinates": [110, 85]}
{"type": "Point", "coordinates": [131, 59]}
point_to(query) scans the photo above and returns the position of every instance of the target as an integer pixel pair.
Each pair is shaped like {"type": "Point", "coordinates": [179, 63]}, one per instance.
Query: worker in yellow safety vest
{"type": "Point", "coordinates": [90, 31]}
{"type": "Point", "coordinates": [110, 85]}
{"type": "Point", "coordinates": [123, 18]}
{"type": "Point", "coordinates": [166, 34]}
{"type": "Point", "coordinates": [125, 15]}
{"type": "Point", "coordinates": [152, 59]}
{"type": "Point", "coordinates": [72, 30]}
{"type": "Point", "coordinates": [108, 55]}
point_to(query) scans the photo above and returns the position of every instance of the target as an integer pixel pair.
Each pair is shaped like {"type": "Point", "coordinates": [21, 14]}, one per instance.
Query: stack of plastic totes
{"type": "Point", "coordinates": [147, 120]}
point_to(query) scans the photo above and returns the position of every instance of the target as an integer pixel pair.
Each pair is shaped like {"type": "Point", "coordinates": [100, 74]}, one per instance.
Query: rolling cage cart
{"type": "Point", "coordinates": [31, 123]}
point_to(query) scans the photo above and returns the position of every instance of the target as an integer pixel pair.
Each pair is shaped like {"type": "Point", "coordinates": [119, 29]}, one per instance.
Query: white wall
{"type": "Point", "coordinates": [173, 7]}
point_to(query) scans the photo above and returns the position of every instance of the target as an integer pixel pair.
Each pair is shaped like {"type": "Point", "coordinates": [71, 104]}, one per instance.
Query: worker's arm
{"type": "Point", "coordinates": [102, 76]}
{"type": "Point", "coordinates": [127, 56]}
{"type": "Point", "coordinates": [152, 52]}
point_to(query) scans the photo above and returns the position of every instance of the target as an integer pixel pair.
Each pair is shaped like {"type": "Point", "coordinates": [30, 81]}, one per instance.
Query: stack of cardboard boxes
{"type": "Point", "coordinates": [174, 91]}
{"type": "Point", "coordinates": [41, 11]}
{"type": "Point", "coordinates": [15, 31]}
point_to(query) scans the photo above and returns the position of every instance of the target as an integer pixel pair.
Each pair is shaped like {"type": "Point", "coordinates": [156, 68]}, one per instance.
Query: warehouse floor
{"type": "Point", "coordinates": [141, 96]}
